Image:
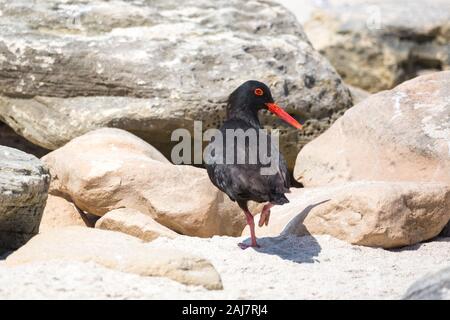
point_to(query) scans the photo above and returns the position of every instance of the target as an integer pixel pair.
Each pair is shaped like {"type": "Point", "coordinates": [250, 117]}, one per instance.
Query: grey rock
{"type": "Point", "coordinates": [24, 183]}
{"type": "Point", "coordinates": [377, 44]}
{"type": "Point", "coordinates": [150, 67]}
{"type": "Point", "coordinates": [432, 287]}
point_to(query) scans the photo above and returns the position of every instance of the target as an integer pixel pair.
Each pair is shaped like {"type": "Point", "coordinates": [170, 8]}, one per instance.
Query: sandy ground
{"type": "Point", "coordinates": [283, 268]}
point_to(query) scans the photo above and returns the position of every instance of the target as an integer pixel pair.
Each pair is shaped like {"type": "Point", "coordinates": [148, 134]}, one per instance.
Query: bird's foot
{"type": "Point", "coordinates": [264, 219]}
{"type": "Point", "coordinates": [265, 215]}
{"type": "Point", "coordinates": [244, 246]}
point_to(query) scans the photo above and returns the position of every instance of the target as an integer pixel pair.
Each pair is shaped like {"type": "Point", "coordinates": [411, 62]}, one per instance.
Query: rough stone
{"type": "Point", "coordinates": [375, 214]}
{"type": "Point", "coordinates": [60, 213]}
{"type": "Point", "coordinates": [431, 287]}
{"type": "Point", "coordinates": [109, 169]}
{"type": "Point", "coordinates": [397, 135]}
{"type": "Point", "coordinates": [377, 44]}
{"type": "Point", "coordinates": [134, 223]}
{"type": "Point", "coordinates": [68, 68]}
{"type": "Point", "coordinates": [116, 251]}
{"type": "Point", "coordinates": [24, 182]}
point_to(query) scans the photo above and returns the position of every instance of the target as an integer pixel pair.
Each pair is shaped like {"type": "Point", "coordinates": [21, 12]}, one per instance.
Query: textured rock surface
{"type": "Point", "coordinates": [70, 67]}
{"type": "Point", "coordinates": [60, 213]}
{"type": "Point", "coordinates": [397, 135]}
{"type": "Point", "coordinates": [109, 169]}
{"type": "Point", "coordinates": [287, 267]}
{"type": "Point", "coordinates": [116, 251]}
{"type": "Point", "coordinates": [134, 223]}
{"type": "Point", "coordinates": [358, 94]}
{"type": "Point", "coordinates": [378, 214]}
{"type": "Point", "coordinates": [24, 183]}
{"type": "Point", "coordinates": [9, 138]}
{"type": "Point", "coordinates": [376, 44]}
{"type": "Point", "coordinates": [431, 287]}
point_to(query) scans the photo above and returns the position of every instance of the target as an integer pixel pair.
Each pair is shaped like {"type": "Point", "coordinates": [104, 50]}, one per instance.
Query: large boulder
{"type": "Point", "coordinates": [134, 223]}
{"type": "Point", "coordinates": [109, 169]}
{"type": "Point", "coordinates": [24, 182]}
{"type": "Point", "coordinates": [152, 67]}
{"type": "Point", "coordinates": [116, 251]}
{"type": "Point", "coordinates": [376, 214]}
{"type": "Point", "coordinates": [397, 135]}
{"type": "Point", "coordinates": [377, 44]}
{"type": "Point", "coordinates": [431, 287]}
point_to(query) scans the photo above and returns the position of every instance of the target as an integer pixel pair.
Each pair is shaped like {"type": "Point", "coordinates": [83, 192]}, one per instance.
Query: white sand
{"type": "Point", "coordinates": [284, 268]}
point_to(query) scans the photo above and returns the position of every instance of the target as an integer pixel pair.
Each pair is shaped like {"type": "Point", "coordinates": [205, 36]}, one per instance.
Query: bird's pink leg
{"type": "Point", "coordinates": [265, 215]}
{"type": "Point", "coordinates": [251, 224]}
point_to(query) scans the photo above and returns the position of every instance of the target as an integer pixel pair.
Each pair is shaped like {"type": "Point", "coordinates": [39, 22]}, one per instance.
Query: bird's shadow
{"type": "Point", "coordinates": [288, 245]}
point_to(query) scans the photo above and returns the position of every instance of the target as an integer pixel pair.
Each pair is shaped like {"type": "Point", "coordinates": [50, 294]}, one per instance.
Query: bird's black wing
{"type": "Point", "coordinates": [246, 181]}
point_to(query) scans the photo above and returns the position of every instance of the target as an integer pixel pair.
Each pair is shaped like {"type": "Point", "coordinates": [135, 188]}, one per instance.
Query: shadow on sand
{"type": "Point", "coordinates": [298, 249]}
{"type": "Point", "coordinates": [288, 245]}
{"type": "Point", "coordinates": [417, 246]}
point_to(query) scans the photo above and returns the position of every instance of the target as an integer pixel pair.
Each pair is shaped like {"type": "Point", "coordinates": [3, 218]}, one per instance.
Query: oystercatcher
{"type": "Point", "coordinates": [244, 180]}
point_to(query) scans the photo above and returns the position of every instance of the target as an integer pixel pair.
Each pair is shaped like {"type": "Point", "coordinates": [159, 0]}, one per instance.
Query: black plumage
{"type": "Point", "coordinates": [244, 182]}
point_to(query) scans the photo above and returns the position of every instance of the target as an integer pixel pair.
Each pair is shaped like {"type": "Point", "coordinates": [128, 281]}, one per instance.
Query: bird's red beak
{"type": "Point", "coordinates": [280, 113]}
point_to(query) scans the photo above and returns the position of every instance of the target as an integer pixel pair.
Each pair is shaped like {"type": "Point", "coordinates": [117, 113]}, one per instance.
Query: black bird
{"type": "Point", "coordinates": [244, 180]}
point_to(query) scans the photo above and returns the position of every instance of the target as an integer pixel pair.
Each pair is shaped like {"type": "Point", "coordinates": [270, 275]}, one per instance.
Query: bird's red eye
{"type": "Point", "coordinates": [259, 92]}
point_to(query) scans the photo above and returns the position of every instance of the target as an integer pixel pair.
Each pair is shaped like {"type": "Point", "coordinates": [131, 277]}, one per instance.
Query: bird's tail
{"type": "Point", "coordinates": [279, 199]}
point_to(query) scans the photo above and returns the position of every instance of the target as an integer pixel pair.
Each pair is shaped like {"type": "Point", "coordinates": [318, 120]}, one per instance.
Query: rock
{"type": "Point", "coordinates": [109, 169]}
{"type": "Point", "coordinates": [397, 135]}
{"type": "Point", "coordinates": [9, 138]}
{"type": "Point", "coordinates": [358, 94]}
{"type": "Point", "coordinates": [377, 44]}
{"type": "Point", "coordinates": [59, 213]}
{"type": "Point", "coordinates": [24, 183]}
{"type": "Point", "coordinates": [135, 224]}
{"type": "Point", "coordinates": [431, 287]}
{"type": "Point", "coordinates": [375, 214]}
{"type": "Point", "coordinates": [116, 251]}
{"type": "Point", "coordinates": [84, 65]}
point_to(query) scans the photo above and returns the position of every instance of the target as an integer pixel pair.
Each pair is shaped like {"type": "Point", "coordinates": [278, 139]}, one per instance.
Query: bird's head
{"type": "Point", "coordinates": [252, 96]}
